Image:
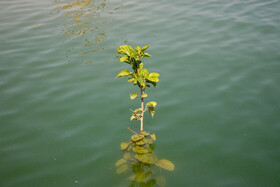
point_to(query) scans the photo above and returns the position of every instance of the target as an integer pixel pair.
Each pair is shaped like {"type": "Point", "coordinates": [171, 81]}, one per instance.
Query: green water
{"type": "Point", "coordinates": [63, 115]}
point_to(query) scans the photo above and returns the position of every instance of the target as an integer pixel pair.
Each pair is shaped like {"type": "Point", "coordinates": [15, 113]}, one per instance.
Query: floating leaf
{"type": "Point", "coordinates": [136, 137]}
{"type": "Point", "coordinates": [123, 168]}
{"type": "Point", "coordinates": [120, 162]}
{"type": "Point", "coordinates": [153, 136]}
{"type": "Point", "coordinates": [124, 145]}
{"type": "Point", "coordinates": [145, 95]}
{"type": "Point", "coordinates": [152, 111]}
{"type": "Point", "coordinates": [151, 104]}
{"type": "Point", "coordinates": [133, 96]}
{"type": "Point", "coordinates": [124, 73]}
{"type": "Point", "coordinates": [145, 133]}
{"type": "Point", "coordinates": [165, 164]}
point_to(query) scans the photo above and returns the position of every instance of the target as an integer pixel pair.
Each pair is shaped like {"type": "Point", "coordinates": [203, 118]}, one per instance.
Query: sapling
{"type": "Point", "coordinates": [139, 77]}
{"type": "Point", "coordinates": [138, 151]}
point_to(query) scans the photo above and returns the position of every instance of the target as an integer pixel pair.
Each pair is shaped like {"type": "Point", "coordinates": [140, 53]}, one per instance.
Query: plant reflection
{"type": "Point", "coordinates": [139, 164]}
{"type": "Point", "coordinates": [84, 24]}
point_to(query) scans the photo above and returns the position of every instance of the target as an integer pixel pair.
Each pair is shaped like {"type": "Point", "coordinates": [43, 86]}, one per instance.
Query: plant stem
{"type": "Point", "coordinates": [142, 106]}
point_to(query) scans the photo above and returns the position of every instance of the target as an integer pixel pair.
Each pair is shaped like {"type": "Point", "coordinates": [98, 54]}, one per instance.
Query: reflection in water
{"type": "Point", "coordinates": [139, 164]}
{"type": "Point", "coordinates": [84, 24]}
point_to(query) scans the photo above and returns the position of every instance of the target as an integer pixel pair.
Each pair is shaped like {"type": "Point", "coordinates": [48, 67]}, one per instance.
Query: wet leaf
{"type": "Point", "coordinates": [123, 168]}
{"type": "Point", "coordinates": [141, 142]}
{"type": "Point", "coordinates": [145, 133]}
{"type": "Point", "coordinates": [120, 162]}
{"type": "Point", "coordinates": [136, 137]}
{"type": "Point", "coordinates": [165, 164]}
{"type": "Point", "coordinates": [124, 145]}
{"type": "Point", "coordinates": [133, 96]}
{"type": "Point", "coordinates": [153, 136]}
{"type": "Point", "coordinates": [124, 59]}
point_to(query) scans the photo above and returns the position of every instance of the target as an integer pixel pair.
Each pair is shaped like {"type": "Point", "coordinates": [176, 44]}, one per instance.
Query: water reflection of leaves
{"type": "Point", "coordinates": [139, 156]}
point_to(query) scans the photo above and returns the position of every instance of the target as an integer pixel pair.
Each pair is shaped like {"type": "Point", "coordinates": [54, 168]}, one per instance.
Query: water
{"type": "Point", "coordinates": [63, 114]}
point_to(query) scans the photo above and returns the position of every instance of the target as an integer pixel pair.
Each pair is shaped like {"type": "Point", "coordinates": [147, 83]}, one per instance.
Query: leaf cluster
{"type": "Point", "coordinates": [138, 76]}
{"type": "Point", "coordinates": [138, 151]}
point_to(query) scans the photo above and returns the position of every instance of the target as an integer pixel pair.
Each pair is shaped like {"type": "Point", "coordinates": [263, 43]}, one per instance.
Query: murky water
{"type": "Point", "coordinates": [63, 115]}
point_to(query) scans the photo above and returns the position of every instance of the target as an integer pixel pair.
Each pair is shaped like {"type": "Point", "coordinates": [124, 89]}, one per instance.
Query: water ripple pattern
{"type": "Point", "coordinates": [63, 115]}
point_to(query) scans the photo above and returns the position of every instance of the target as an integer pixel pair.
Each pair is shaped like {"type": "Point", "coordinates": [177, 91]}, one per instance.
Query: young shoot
{"type": "Point", "coordinates": [139, 77]}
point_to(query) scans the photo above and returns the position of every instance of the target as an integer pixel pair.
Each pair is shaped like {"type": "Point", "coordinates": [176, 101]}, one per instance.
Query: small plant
{"type": "Point", "coordinates": [138, 77]}
{"type": "Point", "coordinates": [138, 151]}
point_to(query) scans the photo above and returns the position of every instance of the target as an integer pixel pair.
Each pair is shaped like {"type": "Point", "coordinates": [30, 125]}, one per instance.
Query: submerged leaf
{"type": "Point", "coordinates": [138, 110]}
{"type": "Point", "coordinates": [153, 136]}
{"type": "Point", "coordinates": [148, 158]}
{"type": "Point", "coordinates": [123, 168]}
{"type": "Point", "coordinates": [145, 95]}
{"type": "Point", "coordinates": [124, 145]}
{"type": "Point", "coordinates": [120, 162]}
{"type": "Point", "coordinates": [165, 164]}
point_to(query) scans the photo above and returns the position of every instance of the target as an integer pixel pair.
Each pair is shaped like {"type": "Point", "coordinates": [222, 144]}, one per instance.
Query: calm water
{"type": "Point", "coordinates": [63, 115]}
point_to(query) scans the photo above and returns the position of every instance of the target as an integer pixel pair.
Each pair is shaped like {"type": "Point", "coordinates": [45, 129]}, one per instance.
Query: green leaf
{"type": "Point", "coordinates": [126, 155]}
{"type": "Point", "coordinates": [124, 145]}
{"type": "Point", "coordinates": [140, 66]}
{"type": "Point", "coordinates": [131, 79]}
{"type": "Point", "coordinates": [144, 73]}
{"type": "Point", "coordinates": [151, 104]}
{"type": "Point", "coordinates": [133, 96]}
{"type": "Point", "coordinates": [147, 55]}
{"type": "Point", "coordinates": [165, 164]}
{"type": "Point", "coordinates": [120, 162]}
{"type": "Point", "coordinates": [138, 49]}
{"type": "Point", "coordinates": [153, 83]}
{"type": "Point", "coordinates": [136, 137]}
{"type": "Point", "coordinates": [133, 117]}
{"type": "Point", "coordinates": [153, 136]}
{"type": "Point", "coordinates": [125, 49]}
{"type": "Point", "coordinates": [124, 73]}
{"type": "Point", "coordinates": [153, 77]}
{"type": "Point", "coordinates": [145, 95]}
{"type": "Point", "coordinates": [139, 149]}
{"type": "Point", "coordinates": [152, 111]}
{"type": "Point", "coordinates": [123, 168]}
{"type": "Point", "coordinates": [138, 110]}
{"type": "Point", "coordinates": [125, 59]}
{"type": "Point", "coordinates": [146, 47]}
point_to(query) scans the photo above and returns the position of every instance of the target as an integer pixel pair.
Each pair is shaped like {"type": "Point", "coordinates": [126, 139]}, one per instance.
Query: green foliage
{"type": "Point", "coordinates": [139, 156]}
{"type": "Point", "coordinates": [139, 77]}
